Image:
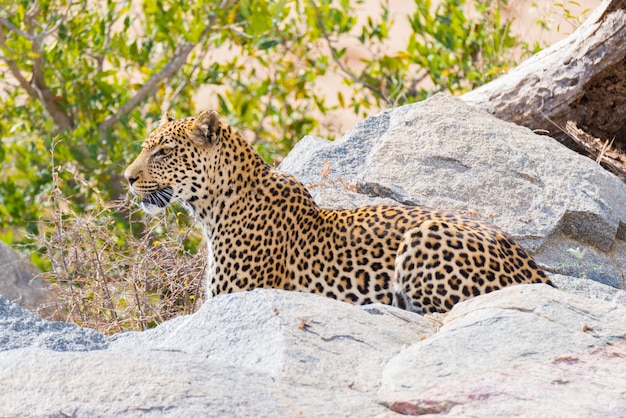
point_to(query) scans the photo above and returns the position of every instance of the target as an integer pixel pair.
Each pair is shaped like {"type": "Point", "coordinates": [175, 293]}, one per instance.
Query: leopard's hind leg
{"type": "Point", "coordinates": [442, 262]}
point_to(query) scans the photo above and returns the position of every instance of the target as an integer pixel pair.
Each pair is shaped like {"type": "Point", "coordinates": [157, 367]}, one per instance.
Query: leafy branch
{"type": "Point", "coordinates": [178, 60]}
{"type": "Point", "coordinates": [336, 56]}
{"type": "Point", "coordinates": [76, 65]}
{"type": "Point", "coordinates": [38, 90]}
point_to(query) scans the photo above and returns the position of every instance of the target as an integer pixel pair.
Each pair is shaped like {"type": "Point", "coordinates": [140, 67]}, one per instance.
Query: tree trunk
{"type": "Point", "coordinates": [578, 84]}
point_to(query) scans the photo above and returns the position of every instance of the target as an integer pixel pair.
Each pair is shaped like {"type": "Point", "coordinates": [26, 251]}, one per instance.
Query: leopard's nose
{"type": "Point", "coordinates": [129, 178]}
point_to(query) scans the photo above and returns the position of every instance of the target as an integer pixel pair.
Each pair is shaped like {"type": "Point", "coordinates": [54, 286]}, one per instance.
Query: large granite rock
{"type": "Point", "coordinates": [270, 353]}
{"type": "Point", "coordinates": [541, 351]}
{"type": "Point", "coordinates": [527, 350]}
{"type": "Point", "coordinates": [445, 154]}
{"type": "Point", "coordinates": [22, 329]}
{"type": "Point", "coordinates": [263, 353]}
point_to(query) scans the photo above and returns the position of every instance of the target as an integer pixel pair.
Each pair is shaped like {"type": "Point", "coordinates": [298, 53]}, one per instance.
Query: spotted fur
{"type": "Point", "coordinates": [264, 229]}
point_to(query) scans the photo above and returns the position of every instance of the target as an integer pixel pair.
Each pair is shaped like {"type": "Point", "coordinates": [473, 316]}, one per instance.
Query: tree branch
{"type": "Point", "coordinates": [15, 70]}
{"type": "Point", "coordinates": [333, 53]}
{"type": "Point", "coordinates": [580, 78]}
{"type": "Point", "coordinates": [179, 59]}
{"type": "Point", "coordinates": [38, 90]}
{"type": "Point", "coordinates": [61, 119]}
{"type": "Point", "coordinates": [30, 14]}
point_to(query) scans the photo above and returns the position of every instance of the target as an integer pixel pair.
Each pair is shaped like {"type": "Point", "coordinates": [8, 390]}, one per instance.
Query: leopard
{"type": "Point", "coordinates": [263, 228]}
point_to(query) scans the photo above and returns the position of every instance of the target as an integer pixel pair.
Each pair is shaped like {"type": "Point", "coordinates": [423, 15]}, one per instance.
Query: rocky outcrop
{"type": "Point", "coordinates": [19, 281]}
{"type": "Point", "coordinates": [528, 350]}
{"type": "Point", "coordinates": [270, 353]}
{"type": "Point", "coordinates": [23, 329]}
{"type": "Point", "coordinates": [445, 154]}
{"type": "Point", "coordinates": [540, 351]}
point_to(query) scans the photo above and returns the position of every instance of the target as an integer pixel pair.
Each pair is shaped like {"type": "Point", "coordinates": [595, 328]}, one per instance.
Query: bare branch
{"type": "Point", "coordinates": [550, 86]}
{"type": "Point", "coordinates": [580, 79]}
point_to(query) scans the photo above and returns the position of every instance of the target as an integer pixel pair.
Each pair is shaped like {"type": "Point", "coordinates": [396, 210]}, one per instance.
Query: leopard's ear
{"type": "Point", "coordinates": [165, 118]}
{"type": "Point", "coordinates": [206, 128]}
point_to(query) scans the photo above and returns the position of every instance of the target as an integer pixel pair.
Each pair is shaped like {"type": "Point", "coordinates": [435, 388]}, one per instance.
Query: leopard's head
{"type": "Point", "coordinates": [173, 161]}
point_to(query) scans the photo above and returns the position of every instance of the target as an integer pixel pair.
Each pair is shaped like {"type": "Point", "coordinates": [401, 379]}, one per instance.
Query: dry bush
{"type": "Point", "coordinates": [113, 281]}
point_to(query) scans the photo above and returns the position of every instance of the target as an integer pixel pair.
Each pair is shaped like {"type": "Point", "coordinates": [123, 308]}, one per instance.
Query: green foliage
{"type": "Point", "coordinates": [580, 263]}
{"type": "Point", "coordinates": [83, 81]}
{"type": "Point", "coordinates": [454, 46]}
{"type": "Point", "coordinates": [573, 18]}
{"type": "Point", "coordinates": [569, 12]}
{"type": "Point", "coordinates": [460, 52]}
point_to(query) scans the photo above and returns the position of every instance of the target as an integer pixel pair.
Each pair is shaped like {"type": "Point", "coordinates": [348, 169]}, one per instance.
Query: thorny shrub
{"type": "Point", "coordinates": [112, 283]}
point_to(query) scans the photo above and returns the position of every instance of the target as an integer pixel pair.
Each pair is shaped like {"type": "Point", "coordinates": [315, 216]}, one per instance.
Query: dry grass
{"type": "Point", "coordinates": [113, 281]}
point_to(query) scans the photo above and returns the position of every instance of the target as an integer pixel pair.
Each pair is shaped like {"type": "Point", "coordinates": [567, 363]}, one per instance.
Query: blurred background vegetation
{"type": "Point", "coordinates": [83, 81]}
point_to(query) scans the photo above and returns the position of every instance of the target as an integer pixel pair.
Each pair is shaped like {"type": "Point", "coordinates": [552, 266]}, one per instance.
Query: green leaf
{"type": "Point", "coordinates": [266, 44]}
{"type": "Point", "coordinates": [104, 74]}
{"type": "Point", "coordinates": [340, 99]}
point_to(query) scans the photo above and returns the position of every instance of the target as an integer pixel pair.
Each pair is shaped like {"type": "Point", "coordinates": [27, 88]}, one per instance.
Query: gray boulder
{"type": "Point", "coordinates": [443, 153]}
{"type": "Point", "coordinates": [589, 289]}
{"type": "Point", "coordinates": [271, 353]}
{"type": "Point", "coordinates": [19, 281]}
{"type": "Point", "coordinates": [20, 329]}
{"type": "Point", "coordinates": [526, 348]}
{"type": "Point", "coordinates": [262, 353]}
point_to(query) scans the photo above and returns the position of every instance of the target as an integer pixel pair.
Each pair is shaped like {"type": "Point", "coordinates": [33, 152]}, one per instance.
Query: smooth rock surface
{"type": "Point", "coordinates": [526, 348]}
{"type": "Point", "coordinates": [444, 154]}
{"type": "Point", "coordinates": [289, 337]}
{"type": "Point", "coordinates": [271, 353]}
{"type": "Point", "coordinates": [262, 353]}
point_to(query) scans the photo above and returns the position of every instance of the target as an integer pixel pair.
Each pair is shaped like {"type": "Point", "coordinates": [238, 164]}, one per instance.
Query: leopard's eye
{"type": "Point", "coordinates": [161, 152]}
